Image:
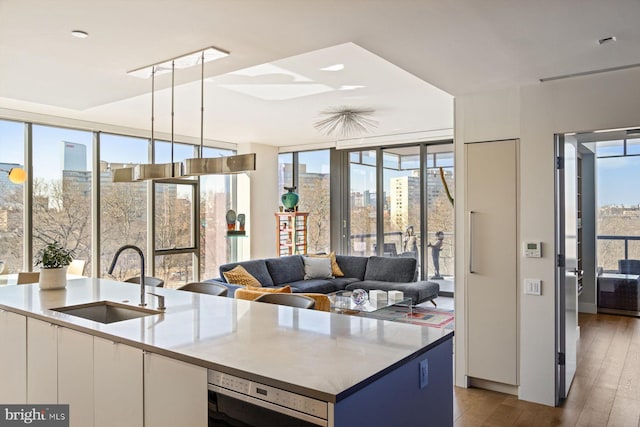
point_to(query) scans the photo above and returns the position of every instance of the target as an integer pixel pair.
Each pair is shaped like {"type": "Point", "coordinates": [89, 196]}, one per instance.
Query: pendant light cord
{"type": "Point", "coordinates": [173, 70]}
{"type": "Point", "coordinates": [202, 106]}
{"type": "Point", "coordinates": [153, 92]}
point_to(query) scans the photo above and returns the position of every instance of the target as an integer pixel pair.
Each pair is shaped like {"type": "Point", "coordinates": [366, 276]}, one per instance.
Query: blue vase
{"type": "Point", "coordinates": [290, 199]}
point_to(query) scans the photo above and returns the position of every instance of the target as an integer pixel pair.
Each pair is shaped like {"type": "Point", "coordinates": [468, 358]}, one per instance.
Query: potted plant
{"type": "Point", "coordinates": [54, 259]}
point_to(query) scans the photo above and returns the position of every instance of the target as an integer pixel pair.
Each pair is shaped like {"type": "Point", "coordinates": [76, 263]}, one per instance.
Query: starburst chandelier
{"type": "Point", "coordinates": [346, 121]}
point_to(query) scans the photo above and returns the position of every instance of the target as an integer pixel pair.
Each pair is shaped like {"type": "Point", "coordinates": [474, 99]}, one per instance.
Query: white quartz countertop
{"type": "Point", "coordinates": [319, 354]}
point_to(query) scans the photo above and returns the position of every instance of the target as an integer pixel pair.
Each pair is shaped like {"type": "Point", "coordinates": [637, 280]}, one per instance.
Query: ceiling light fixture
{"type": "Point", "coordinates": [215, 165]}
{"type": "Point", "coordinates": [80, 34]}
{"type": "Point", "coordinates": [609, 39]}
{"type": "Point", "coordinates": [180, 62]}
{"type": "Point", "coordinates": [346, 121]}
{"type": "Point", "coordinates": [16, 175]}
{"type": "Point", "coordinates": [173, 169]}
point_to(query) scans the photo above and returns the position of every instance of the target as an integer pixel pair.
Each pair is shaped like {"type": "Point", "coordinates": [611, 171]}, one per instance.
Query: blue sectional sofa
{"type": "Point", "coordinates": [384, 273]}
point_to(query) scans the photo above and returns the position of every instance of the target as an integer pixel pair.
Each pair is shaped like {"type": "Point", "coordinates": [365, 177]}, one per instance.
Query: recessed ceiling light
{"type": "Point", "coordinates": [334, 67]}
{"type": "Point", "coordinates": [609, 39]}
{"type": "Point", "coordinates": [80, 34]}
{"type": "Point", "coordinates": [350, 87]}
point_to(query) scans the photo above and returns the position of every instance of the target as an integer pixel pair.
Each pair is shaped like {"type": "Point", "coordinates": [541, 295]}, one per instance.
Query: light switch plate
{"type": "Point", "coordinates": [533, 286]}
{"type": "Point", "coordinates": [424, 373]}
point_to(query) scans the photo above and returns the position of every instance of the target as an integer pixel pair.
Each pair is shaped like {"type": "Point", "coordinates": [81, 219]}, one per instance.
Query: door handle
{"type": "Point", "coordinates": [577, 272]}
{"type": "Point", "coordinates": [471, 271]}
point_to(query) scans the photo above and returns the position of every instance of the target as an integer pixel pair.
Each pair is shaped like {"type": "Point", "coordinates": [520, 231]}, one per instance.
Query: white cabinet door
{"type": "Point", "coordinates": [491, 260]}
{"type": "Point", "coordinates": [175, 393]}
{"type": "Point", "coordinates": [13, 358]}
{"type": "Point", "coordinates": [42, 362]}
{"type": "Point", "coordinates": [75, 375]}
{"type": "Point", "coordinates": [117, 384]}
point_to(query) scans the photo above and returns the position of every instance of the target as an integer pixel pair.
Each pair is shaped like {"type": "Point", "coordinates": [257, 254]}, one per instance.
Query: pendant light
{"type": "Point", "coordinates": [16, 175]}
{"type": "Point", "coordinates": [215, 165]}
{"type": "Point", "coordinates": [145, 172]}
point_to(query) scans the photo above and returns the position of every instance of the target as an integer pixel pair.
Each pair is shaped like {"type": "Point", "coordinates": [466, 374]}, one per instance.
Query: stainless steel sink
{"type": "Point", "coordinates": [106, 311]}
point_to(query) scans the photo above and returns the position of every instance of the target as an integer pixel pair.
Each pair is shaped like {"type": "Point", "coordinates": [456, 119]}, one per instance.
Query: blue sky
{"type": "Point", "coordinates": [618, 181]}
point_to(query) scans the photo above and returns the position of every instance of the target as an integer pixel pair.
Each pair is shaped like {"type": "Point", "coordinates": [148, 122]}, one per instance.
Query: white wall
{"type": "Point", "coordinates": [259, 197]}
{"type": "Point", "coordinates": [534, 113]}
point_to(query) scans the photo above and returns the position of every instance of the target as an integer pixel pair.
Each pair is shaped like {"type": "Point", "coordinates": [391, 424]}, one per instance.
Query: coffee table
{"type": "Point", "coordinates": [341, 302]}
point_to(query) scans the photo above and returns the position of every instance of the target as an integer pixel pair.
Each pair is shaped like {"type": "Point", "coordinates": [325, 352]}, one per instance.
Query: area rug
{"type": "Point", "coordinates": [424, 316]}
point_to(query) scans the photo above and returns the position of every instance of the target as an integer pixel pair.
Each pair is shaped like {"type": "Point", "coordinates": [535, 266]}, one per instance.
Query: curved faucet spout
{"type": "Point", "coordinates": [139, 251]}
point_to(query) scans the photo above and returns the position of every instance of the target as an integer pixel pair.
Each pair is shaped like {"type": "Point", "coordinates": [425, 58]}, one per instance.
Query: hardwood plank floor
{"type": "Point", "coordinates": [605, 390]}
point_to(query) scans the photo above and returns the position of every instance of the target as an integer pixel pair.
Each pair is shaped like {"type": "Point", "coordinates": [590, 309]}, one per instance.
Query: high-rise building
{"type": "Point", "coordinates": [74, 156]}
{"type": "Point", "coordinates": [404, 201]}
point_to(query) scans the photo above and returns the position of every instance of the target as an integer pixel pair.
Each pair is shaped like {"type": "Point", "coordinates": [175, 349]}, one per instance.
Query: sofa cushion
{"type": "Point", "coordinates": [323, 286]}
{"type": "Point", "coordinates": [285, 269]}
{"type": "Point", "coordinates": [257, 268]}
{"type": "Point", "coordinates": [390, 269]}
{"type": "Point", "coordinates": [335, 268]}
{"type": "Point", "coordinates": [352, 266]}
{"type": "Point", "coordinates": [341, 282]}
{"type": "Point", "coordinates": [417, 291]}
{"type": "Point", "coordinates": [239, 276]}
{"type": "Point", "coordinates": [317, 268]}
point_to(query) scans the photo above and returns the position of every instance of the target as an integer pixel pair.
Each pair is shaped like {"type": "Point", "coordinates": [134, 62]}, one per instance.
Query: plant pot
{"type": "Point", "coordinates": [53, 278]}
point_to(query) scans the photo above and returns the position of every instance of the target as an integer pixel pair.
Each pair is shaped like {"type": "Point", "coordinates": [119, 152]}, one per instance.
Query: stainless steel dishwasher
{"type": "Point", "coordinates": [235, 401]}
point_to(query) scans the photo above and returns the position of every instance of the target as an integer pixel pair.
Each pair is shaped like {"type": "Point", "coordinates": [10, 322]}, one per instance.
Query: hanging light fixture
{"type": "Point", "coordinates": [173, 169]}
{"type": "Point", "coordinates": [16, 175]}
{"type": "Point", "coordinates": [190, 167]}
{"type": "Point", "coordinates": [215, 165]}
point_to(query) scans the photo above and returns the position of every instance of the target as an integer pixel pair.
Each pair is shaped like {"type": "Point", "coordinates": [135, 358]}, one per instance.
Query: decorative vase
{"type": "Point", "coordinates": [290, 199]}
{"type": "Point", "coordinates": [231, 219]}
{"type": "Point", "coordinates": [53, 278]}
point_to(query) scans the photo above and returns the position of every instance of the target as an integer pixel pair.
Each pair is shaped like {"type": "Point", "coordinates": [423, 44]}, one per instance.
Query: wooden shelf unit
{"type": "Point", "coordinates": [291, 232]}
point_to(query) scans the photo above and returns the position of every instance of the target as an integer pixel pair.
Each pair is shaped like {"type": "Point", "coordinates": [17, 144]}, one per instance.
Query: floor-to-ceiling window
{"type": "Point", "coordinates": [618, 202]}
{"type": "Point", "coordinates": [61, 202]}
{"type": "Point", "coordinates": [216, 198]}
{"type": "Point", "coordinates": [313, 188]}
{"type": "Point", "coordinates": [398, 206]}
{"type": "Point", "coordinates": [362, 202]}
{"type": "Point", "coordinates": [440, 231]}
{"type": "Point", "coordinates": [11, 197]}
{"type": "Point", "coordinates": [123, 205]}
{"type": "Point", "coordinates": [63, 176]}
{"type": "Point", "coordinates": [308, 171]}
{"type": "Point", "coordinates": [401, 184]}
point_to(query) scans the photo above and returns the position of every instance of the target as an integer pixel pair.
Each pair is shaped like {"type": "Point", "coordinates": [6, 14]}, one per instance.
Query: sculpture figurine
{"type": "Point", "coordinates": [231, 219]}
{"type": "Point", "coordinates": [435, 254]}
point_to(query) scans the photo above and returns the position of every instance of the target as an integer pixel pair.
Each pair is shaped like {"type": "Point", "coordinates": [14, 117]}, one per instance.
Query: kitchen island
{"type": "Point", "coordinates": [361, 371]}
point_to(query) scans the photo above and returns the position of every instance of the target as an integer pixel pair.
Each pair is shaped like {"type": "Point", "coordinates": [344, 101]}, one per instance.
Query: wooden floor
{"type": "Point", "coordinates": [605, 390]}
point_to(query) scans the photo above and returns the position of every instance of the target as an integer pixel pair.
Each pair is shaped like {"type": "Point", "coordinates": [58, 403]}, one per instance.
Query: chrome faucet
{"type": "Point", "coordinates": [113, 265]}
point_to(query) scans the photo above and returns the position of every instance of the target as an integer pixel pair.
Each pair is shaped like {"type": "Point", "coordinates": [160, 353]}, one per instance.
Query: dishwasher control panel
{"type": "Point", "coordinates": [270, 394]}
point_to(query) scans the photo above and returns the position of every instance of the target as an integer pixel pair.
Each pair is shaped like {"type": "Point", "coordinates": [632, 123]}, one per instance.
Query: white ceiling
{"type": "Point", "coordinates": [391, 47]}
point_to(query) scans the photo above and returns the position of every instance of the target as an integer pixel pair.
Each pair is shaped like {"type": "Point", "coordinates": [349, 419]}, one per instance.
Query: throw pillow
{"type": "Point", "coordinates": [239, 276]}
{"type": "Point", "coordinates": [317, 268]}
{"type": "Point", "coordinates": [335, 268]}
